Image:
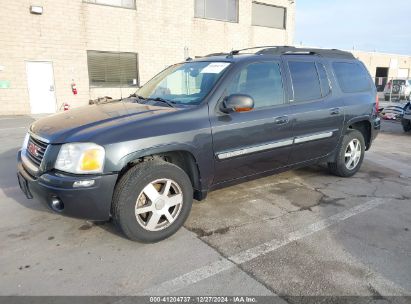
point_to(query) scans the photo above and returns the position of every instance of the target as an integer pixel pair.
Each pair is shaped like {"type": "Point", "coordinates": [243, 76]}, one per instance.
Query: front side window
{"type": "Point", "coordinates": [262, 81]}
{"type": "Point", "coordinates": [119, 3]}
{"type": "Point", "coordinates": [225, 10]}
{"type": "Point", "coordinates": [304, 77]}
{"type": "Point", "coordinates": [269, 15]}
{"type": "Point", "coordinates": [352, 77]}
{"type": "Point", "coordinates": [111, 70]}
{"type": "Point", "coordinates": [187, 83]}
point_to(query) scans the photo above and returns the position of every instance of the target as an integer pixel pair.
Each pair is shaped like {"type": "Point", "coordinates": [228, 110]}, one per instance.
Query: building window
{"type": "Point", "coordinates": [118, 3]}
{"type": "Point", "coordinates": [110, 70]}
{"type": "Point", "coordinates": [269, 15]}
{"type": "Point", "coordinates": [225, 10]}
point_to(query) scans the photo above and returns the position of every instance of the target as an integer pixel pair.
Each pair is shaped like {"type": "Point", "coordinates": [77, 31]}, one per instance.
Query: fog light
{"type": "Point", "coordinates": [83, 184]}
{"type": "Point", "coordinates": [56, 204]}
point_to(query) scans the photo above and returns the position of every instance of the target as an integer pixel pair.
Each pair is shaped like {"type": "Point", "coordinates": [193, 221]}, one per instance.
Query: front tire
{"type": "Point", "coordinates": [350, 155]}
{"type": "Point", "coordinates": [152, 201]}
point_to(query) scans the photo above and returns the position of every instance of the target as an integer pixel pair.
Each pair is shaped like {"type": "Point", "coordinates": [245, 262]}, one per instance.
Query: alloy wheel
{"type": "Point", "coordinates": [352, 154]}
{"type": "Point", "coordinates": [159, 204]}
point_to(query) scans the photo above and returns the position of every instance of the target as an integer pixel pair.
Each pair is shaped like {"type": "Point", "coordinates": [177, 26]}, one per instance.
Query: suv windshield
{"type": "Point", "coordinates": [186, 83]}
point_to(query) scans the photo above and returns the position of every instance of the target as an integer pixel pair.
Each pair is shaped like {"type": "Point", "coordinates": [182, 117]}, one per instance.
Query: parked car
{"type": "Point", "coordinates": [397, 89]}
{"type": "Point", "coordinates": [197, 126]}
{"type": "Point", "coordinates": [406, 118]}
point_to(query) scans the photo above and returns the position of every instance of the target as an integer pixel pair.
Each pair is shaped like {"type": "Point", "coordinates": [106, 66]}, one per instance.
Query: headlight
{"type": "Point", "coordinates": [80, 158]}
{"type": "Point", "coordinates": [25, 142]}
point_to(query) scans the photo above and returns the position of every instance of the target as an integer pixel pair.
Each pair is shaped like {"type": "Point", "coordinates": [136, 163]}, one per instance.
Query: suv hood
{"type": "Point", "coordinates": [80, 124]}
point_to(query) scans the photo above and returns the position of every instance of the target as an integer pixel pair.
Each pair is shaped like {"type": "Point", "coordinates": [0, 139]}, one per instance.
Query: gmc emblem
{"type": "Point", "coordinates": [33, 149]}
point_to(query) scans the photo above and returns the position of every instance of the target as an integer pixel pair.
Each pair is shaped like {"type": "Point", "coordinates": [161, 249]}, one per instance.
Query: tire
{"type": "Point", "coordinates": [131, 190]}
{"type": "Point", "coordinates": [339, 167]}
{"type": "Point", "coordinates": [406, 125]}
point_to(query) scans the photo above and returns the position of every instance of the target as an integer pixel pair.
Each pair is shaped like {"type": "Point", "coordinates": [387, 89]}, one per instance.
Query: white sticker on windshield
{"type": "Point", "coordinates": [215, 68]}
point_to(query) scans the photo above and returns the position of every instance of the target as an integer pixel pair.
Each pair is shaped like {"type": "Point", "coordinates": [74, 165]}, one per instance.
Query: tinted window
{"type": "Point", "coordinates": [325, 82]}
{"type": "Point", "coordinates": [352, 77]}
{"type": "Point", "coordinates": [226, 10]}
{"type": "Point", "coordinates": [119, 3]}
{"type": "Point", "coordinates": [305, 80]}
{"type": "Point", "coordinates": [262, 81]}
{"type": "Point", "coordinates": [268, 15]}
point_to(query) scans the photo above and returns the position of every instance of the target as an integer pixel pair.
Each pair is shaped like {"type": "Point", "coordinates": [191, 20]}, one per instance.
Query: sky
{"type": "Point", "coordinates": [369, 25]}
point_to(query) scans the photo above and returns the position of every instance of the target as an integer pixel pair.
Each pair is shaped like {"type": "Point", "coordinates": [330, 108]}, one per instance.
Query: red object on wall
{"type": "Point", "coordinates": [74, 88]}
{"type": "Point", "coordinates": [66, 107]}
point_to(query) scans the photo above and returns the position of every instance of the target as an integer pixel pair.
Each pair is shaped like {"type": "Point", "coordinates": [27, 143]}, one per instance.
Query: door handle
{"type": "Point", "coordinates": [281, 120]}
{"type": "Point", "coordinates": [335, 111]}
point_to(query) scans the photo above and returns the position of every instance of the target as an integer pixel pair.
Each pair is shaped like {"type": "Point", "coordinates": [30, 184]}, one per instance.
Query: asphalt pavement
{"type": "Point", "coordinates": [300, 233]}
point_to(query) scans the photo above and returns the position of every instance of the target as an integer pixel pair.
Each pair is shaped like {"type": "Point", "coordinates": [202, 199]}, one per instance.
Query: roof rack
{"type": "Point", "coordinates": [290, 50]}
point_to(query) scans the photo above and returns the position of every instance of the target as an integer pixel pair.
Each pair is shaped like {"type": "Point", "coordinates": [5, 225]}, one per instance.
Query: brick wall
{"type": "Point", "coordinates": [158, 30]}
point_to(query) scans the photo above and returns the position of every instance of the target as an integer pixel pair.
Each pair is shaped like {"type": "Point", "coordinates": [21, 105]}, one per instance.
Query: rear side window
{"type": "Point", "coordinates": [262, 81]}
{"type": "Point", "coordinates": [306, 83]}
{"type": "Point", "coordinates": [352, 77]}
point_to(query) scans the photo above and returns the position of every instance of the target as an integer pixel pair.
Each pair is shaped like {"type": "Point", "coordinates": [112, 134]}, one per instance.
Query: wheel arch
{"type": "Point", "coordinates": [180, 156]}
{"type": "Point", "coordinates": [363, 125]}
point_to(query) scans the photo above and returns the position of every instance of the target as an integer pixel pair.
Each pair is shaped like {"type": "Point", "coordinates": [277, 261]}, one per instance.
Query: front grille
{"type": "Point", "coordinates": [35, 150]}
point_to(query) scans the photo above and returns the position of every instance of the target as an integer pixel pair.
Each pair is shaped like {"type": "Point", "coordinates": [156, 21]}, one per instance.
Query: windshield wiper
{"type": "Point", "coordinates": [169, 103]}
{"type": "Point", "coordinates": [140, 99]}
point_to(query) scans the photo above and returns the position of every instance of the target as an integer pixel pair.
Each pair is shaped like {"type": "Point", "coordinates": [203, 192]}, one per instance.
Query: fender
{"type": "Point", "coordinates": [204, 162]}
{"type": "Point", "coordinates": [357, 119]}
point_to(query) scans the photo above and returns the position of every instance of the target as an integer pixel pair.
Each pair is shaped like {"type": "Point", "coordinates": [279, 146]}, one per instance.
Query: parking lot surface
{"type": "Point", "coordinates": [299, 233]}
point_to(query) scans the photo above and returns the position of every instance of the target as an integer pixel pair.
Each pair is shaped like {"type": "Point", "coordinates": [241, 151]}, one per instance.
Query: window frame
{"type": "Point", "coordinates": [216, 19]}
{"type": "Point", "coordinates": [318, 63]}
{"type": "Point", "coordinates": [109, 5]}
{"type": "Point", "coordinates": [244, 66]}
{"type": "Point", "coordinates": [292, 93]}
{"type": "Point", "coordinates": [93, 86]}
{"type": "Point", "coordinates": [271, 5]}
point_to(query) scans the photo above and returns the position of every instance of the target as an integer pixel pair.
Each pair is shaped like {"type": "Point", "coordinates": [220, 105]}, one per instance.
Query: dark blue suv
{"type": "Point", "coordinates": [197, 126]}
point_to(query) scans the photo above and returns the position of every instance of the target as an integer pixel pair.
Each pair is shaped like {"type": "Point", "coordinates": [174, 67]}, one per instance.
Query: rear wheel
{"type": "Point", "coordinates": [406, 125]}
{"type": "Point", "coordinates": [350, 155]}
{"type": "Point", "coordinates": [152, 201]}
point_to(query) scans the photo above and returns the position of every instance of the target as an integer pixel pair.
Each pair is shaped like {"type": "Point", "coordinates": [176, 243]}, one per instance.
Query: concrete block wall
{"type": "Point", "coordinates": [158, 30]}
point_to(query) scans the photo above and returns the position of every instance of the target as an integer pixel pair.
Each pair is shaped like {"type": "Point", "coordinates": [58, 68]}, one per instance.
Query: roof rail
{"type": "Point", "coordinates": [236, 52]}
{"type": "Point", "coordinates": [216, 54]}
{"type": "Point", "coordinates": [290, 50]}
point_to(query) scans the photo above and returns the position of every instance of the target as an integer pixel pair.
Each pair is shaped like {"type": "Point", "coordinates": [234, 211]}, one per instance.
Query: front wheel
{"type": "Point", "coordinates": [350, 155]}
{"type": "Point", "coordinates": [152, 201]}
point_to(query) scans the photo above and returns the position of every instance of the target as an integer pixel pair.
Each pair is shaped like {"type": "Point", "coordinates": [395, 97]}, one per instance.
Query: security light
{"type": "Point", "coordinates": [37, 10]}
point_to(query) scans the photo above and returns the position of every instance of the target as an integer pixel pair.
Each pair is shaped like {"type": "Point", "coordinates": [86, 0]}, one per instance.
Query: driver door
{"type": "Point", "coordinates": [248, 143]}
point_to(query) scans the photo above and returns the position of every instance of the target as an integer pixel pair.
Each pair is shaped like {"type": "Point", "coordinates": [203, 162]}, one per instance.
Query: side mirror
{"type": "Point", "coordinates": [238, 103]}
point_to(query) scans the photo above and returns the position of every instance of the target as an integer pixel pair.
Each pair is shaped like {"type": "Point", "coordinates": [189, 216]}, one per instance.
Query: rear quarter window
{"type": "Point", "coordinates": [352, 77]}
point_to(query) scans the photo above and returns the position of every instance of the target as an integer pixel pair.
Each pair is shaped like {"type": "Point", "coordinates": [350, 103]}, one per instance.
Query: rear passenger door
{"type": "Point", "coordinates": [317, 117]}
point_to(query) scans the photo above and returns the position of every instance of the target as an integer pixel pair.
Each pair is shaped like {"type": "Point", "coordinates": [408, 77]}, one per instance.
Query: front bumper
{"type": "Point", "coordinates": [91, 203]}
